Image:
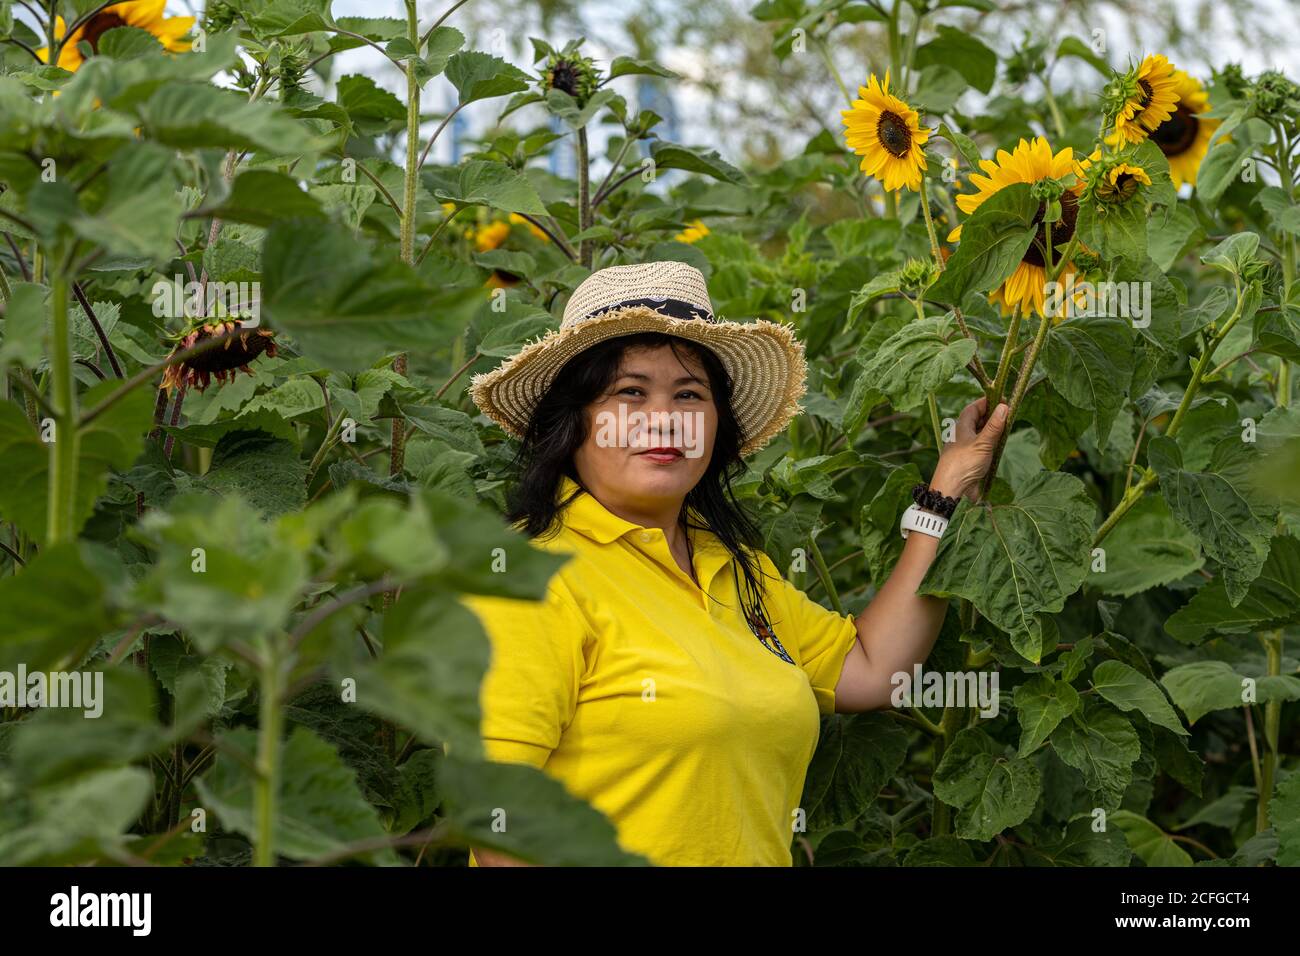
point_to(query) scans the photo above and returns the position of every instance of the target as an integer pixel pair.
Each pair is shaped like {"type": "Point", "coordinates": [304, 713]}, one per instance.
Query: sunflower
{"type": "Point", "coordinates": [147, 15]}
{"type": "Point", "coordinates": [1120, 182]}
{"type": "Point", "coordinates": [886, 133]}
{"type": "Point", "coordinates": [520, 220]}
{"type": "Point", "coordinates": [1185, 137]}
{"type": "Point", "coordinates": [490, 236]}
{"type": "Point", "coordinates": [1152, 102]}
{"type": "Point", "coordinates": [1027, 163]}
{"type": "Point", "coordinates": [221, 361]}
{"type": "Point", "coordinates": [695, 230]}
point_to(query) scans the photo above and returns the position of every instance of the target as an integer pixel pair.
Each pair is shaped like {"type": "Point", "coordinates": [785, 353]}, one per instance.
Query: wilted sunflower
{"type": "Point", "coordinates": [221, 361]}
{"type": "Point", "coordinates": [695, 231]}
{"type": "Point", "coordinates": [887, 134]}
{"type": "Point", "coordinates": [1120, 182]}
{"type": "Point", "coordinates": [1027, 163]}
{"type": "Point", "coordinates": [1185, 137]}
{"type": "Point", "coordinates": [147, 15]}
{"type": "Point", "coordinates": [500, 279]}
{"type": "Point", "coordinates": [1153, 95]}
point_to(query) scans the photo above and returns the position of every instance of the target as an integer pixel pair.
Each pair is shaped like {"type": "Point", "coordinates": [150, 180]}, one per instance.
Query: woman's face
{"type": "Point", "coordinates": [650, 436]}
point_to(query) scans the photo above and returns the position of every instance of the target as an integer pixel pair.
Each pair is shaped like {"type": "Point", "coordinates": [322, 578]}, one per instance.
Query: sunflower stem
{"type": "Point", "coordinates": [929, 225]}
{"type": "Point", "coordinates": [266, 784]}
{"type": "Point", "coordinates": [820, 43]}
{"type": "Point", "coordinates": [824, 575]}
{"type": "Point", "coordinates": [584, 200]}
{"type": "Point", "coordinates": [1004, 362]}
{"type": "Point", "coordinates": [1272, 728]}
{"type": "Point", "coordinates": [1051, 105]}
{"type": "Point", "coordinates": [397, 432]}
{"type": "Point", "coordinates": [64, 447]}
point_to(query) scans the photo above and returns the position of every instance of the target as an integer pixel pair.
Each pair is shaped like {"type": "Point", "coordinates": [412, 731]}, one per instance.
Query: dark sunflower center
{"type": "Point", "coordinates": [1177, 134]}
{"type": "Point", "coordinates": [893, 134]}
{"type": "Point", "coordinates": [1144, 93]}
{"type": "Point", "coordinates": [232, 354]}
{"type": "Point", "coordinates": [565, 78]}
{"type": "Point", "coordinates": [99, 24]}
{"type": "Point", "coordinates": [1062, 229]}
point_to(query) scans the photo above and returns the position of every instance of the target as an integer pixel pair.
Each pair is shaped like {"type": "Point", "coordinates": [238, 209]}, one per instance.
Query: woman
{"type": "Point", "coordinates": [672, 677]}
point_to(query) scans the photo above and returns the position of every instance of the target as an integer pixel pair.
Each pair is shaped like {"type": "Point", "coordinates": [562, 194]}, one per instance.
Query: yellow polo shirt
{"type": "Point", "coordinates": [653, 700]}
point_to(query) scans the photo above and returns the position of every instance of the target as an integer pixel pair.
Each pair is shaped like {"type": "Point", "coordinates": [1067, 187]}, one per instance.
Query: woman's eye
{"type": "Point", "coordinates": [688, 394]}
{"type": "Point", "coordinates": [629, 390]}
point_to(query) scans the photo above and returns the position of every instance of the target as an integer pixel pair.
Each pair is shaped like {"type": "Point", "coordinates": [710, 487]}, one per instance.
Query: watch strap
{"type": "Point", "coordinates": [916, 518]}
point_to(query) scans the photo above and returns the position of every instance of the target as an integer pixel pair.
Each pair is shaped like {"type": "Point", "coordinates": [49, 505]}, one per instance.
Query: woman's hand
{"type": "Point", "coordinates": [965, 461]}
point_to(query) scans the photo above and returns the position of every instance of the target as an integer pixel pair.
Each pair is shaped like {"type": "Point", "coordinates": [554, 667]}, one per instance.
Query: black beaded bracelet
{"type": "Point", "coordinates": [931, 500]}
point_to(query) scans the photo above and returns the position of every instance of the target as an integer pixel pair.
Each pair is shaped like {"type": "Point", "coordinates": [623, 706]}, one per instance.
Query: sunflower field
{"type": "Point", "coordinates": [242, 486]}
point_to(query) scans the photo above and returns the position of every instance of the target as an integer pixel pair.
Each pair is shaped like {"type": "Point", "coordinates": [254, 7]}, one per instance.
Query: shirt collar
{"type": "Point", "coordinates": [589, 517]}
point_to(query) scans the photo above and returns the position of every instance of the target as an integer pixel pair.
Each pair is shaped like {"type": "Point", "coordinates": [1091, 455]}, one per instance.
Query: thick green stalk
{"type": "Point", "coordinates": [267, 785]}
{"type": "Point", "coordinates": [584, 199]}
{"type": "Point", "coordinates": [397, 434]}
{"type": "Point", "coordinates": [1272, 733]}
{"type": "Point", "coordinates": [63, 450]}
{"type": "Point", "coordinates": [824, 575]}
{"type": "Point", "coordinates": [1004, 361]}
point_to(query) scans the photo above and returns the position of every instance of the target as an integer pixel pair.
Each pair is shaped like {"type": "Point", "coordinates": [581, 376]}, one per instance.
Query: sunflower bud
{"type": "Point", "coordinates": [1113, 181]}
{"type": "Point", "coordinates": [1275, 96]}
{"type": "Point", "coordinates": [572, 74]}
{"type": "Point", "coordinates": [219, 16]}
{"type": "Point", "coordinates": [1232, 79]}
{"type": "Point", "coordinates": [1118, 93]}
{"type": "Point", "coordinates": [916, 274]}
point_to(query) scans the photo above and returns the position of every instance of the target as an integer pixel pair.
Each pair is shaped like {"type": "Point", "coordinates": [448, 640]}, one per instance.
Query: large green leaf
{"type": "Point", "coordinates": [695, 159]}
{"type": "Point", "coordinates": [485, 183]}
{"type": "Point", "coordinates": [1209, 506]}
{"type": "Point", "coordinates": [52, 607]}
{"type": "Point", "coordinates": [347, 305]}
{"type": "Point", "coordinates": [1041, 704]}
{"type": "Point", "coordinates": [993, 241]}
{"type": "Point", "coordinates": [519, 810]}
{"type": "Point", "coordinates": [1152, 844]}
{"type": "Point", "coordinates": [917, 359]}
{"type": "Point", "coordinates": [856, 756]}
{"type": "Point", "coordinates": [319, 810]}
{"type": "Point", "coordinates": [112, 441]}
{"type": "Point", "coordinates": [963, 52]}
{"type": "Point", "coordinates": [991, 790]}
{"type": "Point", "coordinates": [479, 76]}
{"type": "Point", "coordinates": [1272, 600]}
{"type": "Point", "coordinates": [1204, 686]}
{"type": "Point", "coordinates": [1146, 549]}
{"type": "Point", "coordinates": [1017, 559]}
{"type": "Point", "coordinates": [1101, 744]}
{"type": "Point", "coordinates": [190, 115]}
{"type": "Point", "coordinates": [1284, 812]}
{"type": "Point", "coordinates": [1089, 360]}
{"type": "Point", "coordinates": [1129, 690]}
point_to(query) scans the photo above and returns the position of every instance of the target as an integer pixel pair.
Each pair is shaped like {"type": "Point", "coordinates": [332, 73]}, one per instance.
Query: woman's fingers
{"type": "Point", "coordinates": [968, 421]}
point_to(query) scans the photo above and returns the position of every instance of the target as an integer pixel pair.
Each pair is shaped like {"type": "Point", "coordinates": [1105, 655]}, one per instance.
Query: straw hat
{"type": "Point", "coordinates": [764, 359]}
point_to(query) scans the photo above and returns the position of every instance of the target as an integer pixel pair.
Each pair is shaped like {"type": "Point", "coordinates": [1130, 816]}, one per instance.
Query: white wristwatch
{"type": "Point", "coordinates": [916, 518]}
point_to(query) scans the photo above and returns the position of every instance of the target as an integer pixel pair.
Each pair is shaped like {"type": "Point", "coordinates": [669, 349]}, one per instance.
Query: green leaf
{"type": "Point", "coordinates": [49, 609]}
{"type": "Point", "coordinates": [1128, 690]}
{"type": "Point", "coordinates": [992, 791]}
{"type": "Point", "coordinates": [1102, 745]}
{"type": "Point", "coordinates": [261, 197]}
{"type": "Point", "coordinates": [695, 159]}
{"type": "Point", "coordinates": [265, 471]}
{"type": "Point", "coordinates": [478, 76]}
{"type": "Point", "coordinates": [1041, 705]}
{"type": "Point", "coordinates": [485, 183]}
{"type": "Point", "coordinates": [1147, 549]}
{"type": "Point", "coordinates": [1114, 230]}
{"type": "Point", "coordinates": [24, 325]}
{"type": "Point", "coordinates": [521, 811]}
{"type": "Point", "coordinates": [856, 756]}
{"type": "Point", "coordinates": [1272, 600]}
{"type": "Point", "coordinates": [917, 359]}
{"type": "Point", "coordinates": [1073, 46]}
{"type": "Point", "coordinates": [319, 809]}
{"type": "Point", "coordinates": [1090, 361]}
{"type": "Point", "coordinates": [1152, 844]}
{"type": "Point", "coordinates": [347, 305]}
{"type": "Point", "coordinates": [962, 51]}
{"type": "Point", "coordinates": [221, 572]}
{"type": "Point", "coordinates": [1209, 506]}
{"type": "Point", "coordinates": [73, 821]}
{"type": "Point", "coordinates": [1016, 560]}
{"type": "Point", "coordinates": [112, 441]}
{"type": "Point", "coordinates": [626, 66]}
{"type": "Point", "coordinates": [993, 241]}
{"type": "Point", "coordinates": [1284, 812]}
{"type": "Point", "coordinates": [191, 116]}
{"type": "Point", "coordinates": [1234, 254]}
{"type": "Point", "coordinates": [139, 214]}
{"type": "Point", "coordinates": [1204, 686]}
{"type": "Point", "coordinates": [372, 108]}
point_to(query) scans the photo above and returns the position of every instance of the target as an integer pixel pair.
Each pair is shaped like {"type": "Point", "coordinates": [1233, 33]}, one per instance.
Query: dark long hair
{"type": "Point", "coordinates": [559, 427]}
